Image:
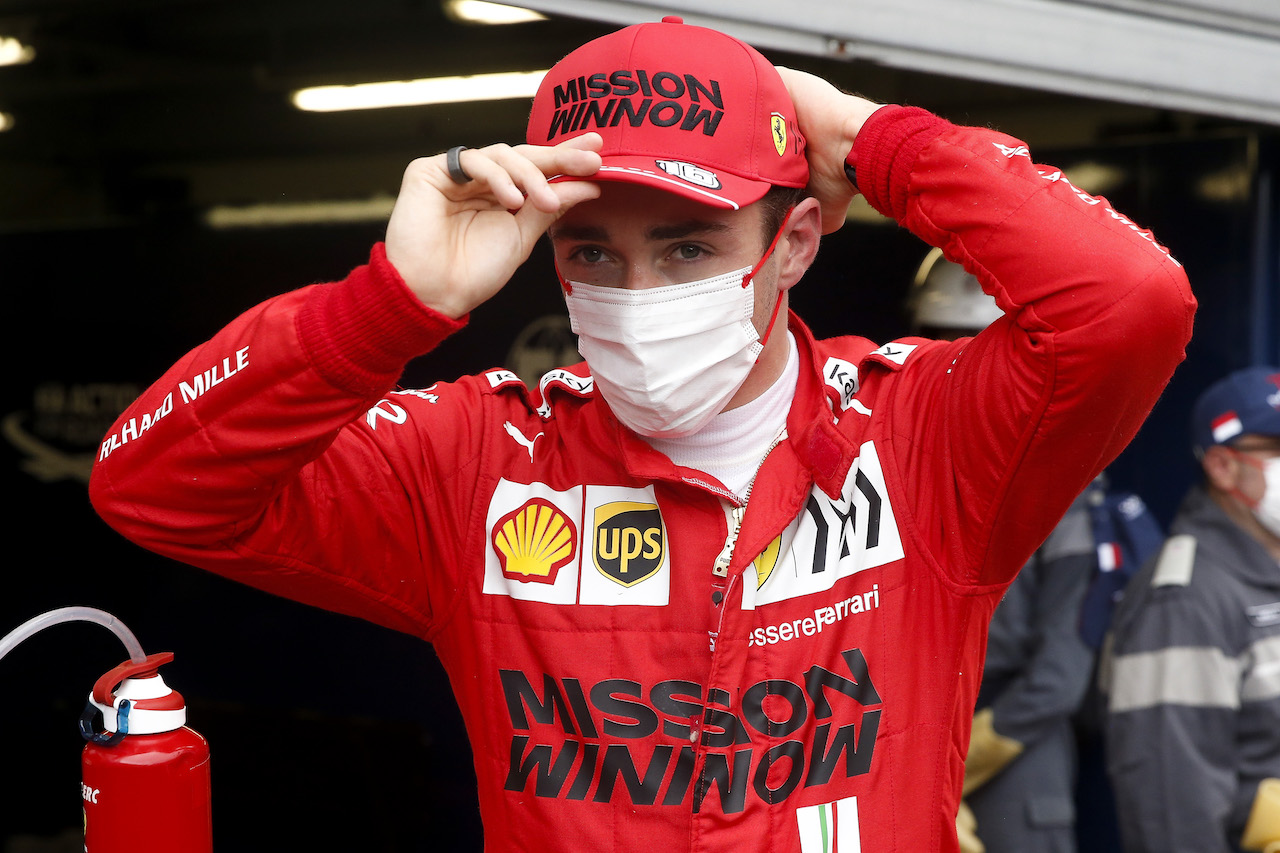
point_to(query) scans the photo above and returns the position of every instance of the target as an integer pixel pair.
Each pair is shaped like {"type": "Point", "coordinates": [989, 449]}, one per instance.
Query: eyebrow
{"type": "Point", "coordinates": [666, 231]}
{"type": "Point", "coordinates": [578, 233]}
{"type": "Point", "coordinates": [688, 228]}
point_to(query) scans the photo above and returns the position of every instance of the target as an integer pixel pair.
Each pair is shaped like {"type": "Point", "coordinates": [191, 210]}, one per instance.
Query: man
{"type": "Point", "coordinates": [1194, 673]}
{"type": "Point", "coordinates": [643, 661]}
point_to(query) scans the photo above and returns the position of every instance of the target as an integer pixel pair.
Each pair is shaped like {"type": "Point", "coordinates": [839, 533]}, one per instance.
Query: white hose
{"type": "Point", "coordinates": [73, 614]}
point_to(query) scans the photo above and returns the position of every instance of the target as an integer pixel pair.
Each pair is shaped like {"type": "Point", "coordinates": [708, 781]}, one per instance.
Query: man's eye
{"type": "Point", "coordinates": [688, 251]}
{"type": "Point", "coordinates": [590, 255]}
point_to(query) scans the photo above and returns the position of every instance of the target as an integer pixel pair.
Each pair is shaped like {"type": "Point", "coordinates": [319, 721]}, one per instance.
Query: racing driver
{"type": "Point", "coordinates": [723, 586]}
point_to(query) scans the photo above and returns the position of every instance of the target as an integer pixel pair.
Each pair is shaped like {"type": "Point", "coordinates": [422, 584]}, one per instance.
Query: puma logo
{"type": "Point", "coordinates": [526, 443]}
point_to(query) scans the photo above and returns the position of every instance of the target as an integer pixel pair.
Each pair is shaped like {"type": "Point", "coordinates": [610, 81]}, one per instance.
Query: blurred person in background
{"type": "Point", "coordinates": [1192, 674]}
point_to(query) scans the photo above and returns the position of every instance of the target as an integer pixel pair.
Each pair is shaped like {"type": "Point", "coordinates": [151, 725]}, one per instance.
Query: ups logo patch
{"type": "Point", "coordinates": [630, 541]}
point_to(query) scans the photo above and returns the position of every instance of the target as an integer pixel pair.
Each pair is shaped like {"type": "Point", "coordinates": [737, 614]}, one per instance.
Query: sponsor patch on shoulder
{"type": "Point", "coordinates": [841, 376]}
{"type": "Point", "coordinates": [894, 353]}
{"type": "Point", "coordinates": [564, 380]}
{"type": "Point", "coordinates": [498, 378]}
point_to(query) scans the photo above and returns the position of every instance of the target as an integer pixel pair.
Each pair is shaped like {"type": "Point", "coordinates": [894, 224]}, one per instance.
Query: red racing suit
{"type": "Point", "coordinates": [632, 675]}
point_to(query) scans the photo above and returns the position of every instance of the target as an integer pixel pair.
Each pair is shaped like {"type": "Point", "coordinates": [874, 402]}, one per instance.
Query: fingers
{"type": "Point", "coordinates": [499, 172]}
{"type": "Point", "coordinates": [534, 221]}
{"type": "Point", "coordinates": [512, 175]}
{"type": "Point", "coordinates": [830, 120]}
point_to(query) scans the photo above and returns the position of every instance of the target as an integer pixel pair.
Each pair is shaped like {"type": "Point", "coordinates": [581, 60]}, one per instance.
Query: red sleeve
{"type": "Point", "coordinates": [219, 464]}
{"type": "Point", "coordinates": [1010, 426]}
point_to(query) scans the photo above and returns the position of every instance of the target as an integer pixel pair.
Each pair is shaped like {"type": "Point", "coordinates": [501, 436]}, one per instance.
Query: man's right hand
{"type": "Point", "coordinates": [830, 120]}
{"type": "Point", "coordinates": [455, 245]}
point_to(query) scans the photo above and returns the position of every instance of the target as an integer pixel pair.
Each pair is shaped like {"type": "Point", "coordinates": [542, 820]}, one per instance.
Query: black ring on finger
{"type": "Point", "coordinates": [454, 164]}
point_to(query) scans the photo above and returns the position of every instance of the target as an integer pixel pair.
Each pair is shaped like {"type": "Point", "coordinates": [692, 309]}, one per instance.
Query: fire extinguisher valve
{"type": "Point", "coordinates": [133, 699]}
{"type": "Point", "coordinates": [108, 738]}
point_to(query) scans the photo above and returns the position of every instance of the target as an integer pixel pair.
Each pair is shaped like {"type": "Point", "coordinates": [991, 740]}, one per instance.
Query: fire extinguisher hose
{"type": "Point", "coordinates": [74, 614]}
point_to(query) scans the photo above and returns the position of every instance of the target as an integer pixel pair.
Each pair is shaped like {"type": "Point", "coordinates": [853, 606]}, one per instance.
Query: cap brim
{"type": "Point", "coordinates": [704, 185]}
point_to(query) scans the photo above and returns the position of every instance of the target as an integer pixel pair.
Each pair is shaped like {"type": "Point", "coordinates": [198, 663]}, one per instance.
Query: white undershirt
{"type": "Point", "coordinates": [732, 446]}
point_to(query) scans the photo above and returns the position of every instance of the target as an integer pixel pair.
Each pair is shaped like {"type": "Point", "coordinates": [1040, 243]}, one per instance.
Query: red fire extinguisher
{"type": "Point", "coordinates": [145, 781]}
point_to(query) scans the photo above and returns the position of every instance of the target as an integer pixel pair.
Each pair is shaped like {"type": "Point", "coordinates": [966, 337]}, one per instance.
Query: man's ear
{"type": "Point", "coordinates": [1221, 468]}
{"type": "Point", "coordinates": [798, 244]}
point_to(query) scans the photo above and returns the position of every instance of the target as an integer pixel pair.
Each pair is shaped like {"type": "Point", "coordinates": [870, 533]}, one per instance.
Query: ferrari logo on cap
{"type": "Point", "coordinates": [778, 126]}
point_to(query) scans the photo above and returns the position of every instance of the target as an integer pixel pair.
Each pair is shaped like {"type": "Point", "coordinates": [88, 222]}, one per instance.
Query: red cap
{"type": "Point", "coordinates": [681, 108]}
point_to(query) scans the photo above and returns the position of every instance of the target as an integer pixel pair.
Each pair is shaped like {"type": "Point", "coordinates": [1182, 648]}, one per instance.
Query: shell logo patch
{"type": "Point", "coordinates": [534, 542]}
{"type": "Point", "coordinates": [630, 541]}
{"type": "Point", "coordinates": [778, 129]}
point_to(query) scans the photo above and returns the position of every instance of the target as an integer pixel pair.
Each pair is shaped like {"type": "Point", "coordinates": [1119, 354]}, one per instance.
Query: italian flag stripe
{"type": "Point", "coordinates": [830, 827]}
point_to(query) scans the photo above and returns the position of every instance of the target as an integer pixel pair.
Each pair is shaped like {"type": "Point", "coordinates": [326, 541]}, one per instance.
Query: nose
{"type": "Point", "coordinates": [640, 276]}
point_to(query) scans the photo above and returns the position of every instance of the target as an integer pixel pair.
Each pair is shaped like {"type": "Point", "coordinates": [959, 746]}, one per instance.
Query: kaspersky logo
{"type": "Point", "coordinates": [534, 542]}
{"type": "Point", "coordinates": [629, 541]}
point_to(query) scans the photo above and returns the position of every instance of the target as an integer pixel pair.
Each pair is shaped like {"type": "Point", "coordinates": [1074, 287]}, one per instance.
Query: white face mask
{"type": "Point", "coordinates": [1268, 509]}
{"type": "Point", "coordinates": [667, 359]}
